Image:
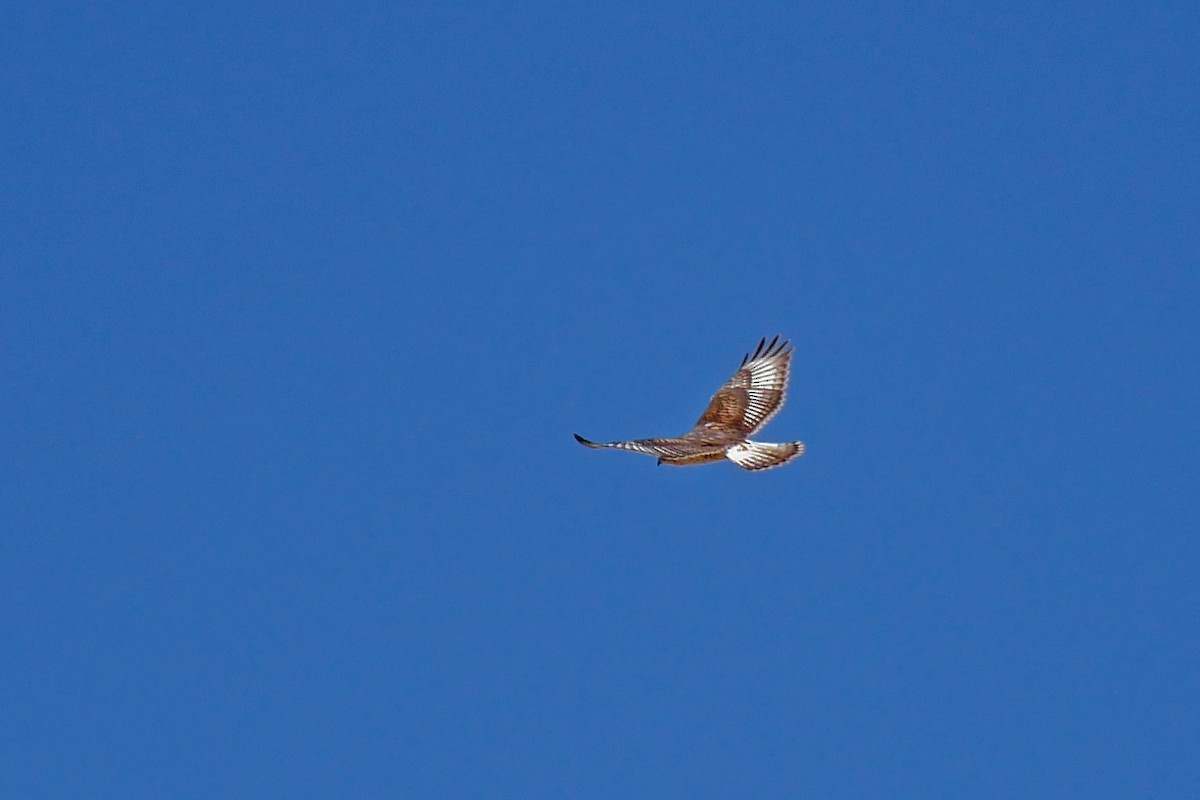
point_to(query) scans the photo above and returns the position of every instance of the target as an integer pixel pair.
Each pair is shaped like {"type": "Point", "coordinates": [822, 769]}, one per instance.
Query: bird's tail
{"type": "Point", "coordinates": [763, 455]}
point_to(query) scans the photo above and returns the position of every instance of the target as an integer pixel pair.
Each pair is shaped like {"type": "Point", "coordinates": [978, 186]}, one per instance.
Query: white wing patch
{"type": "Point", "coordinates": [767, 376]}
{"type": "Point", "coordinates": [763, 455]}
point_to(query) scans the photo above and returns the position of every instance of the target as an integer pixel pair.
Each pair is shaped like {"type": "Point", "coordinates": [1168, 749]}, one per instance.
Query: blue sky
{"type": "Point", "coordinates": [302, 304]}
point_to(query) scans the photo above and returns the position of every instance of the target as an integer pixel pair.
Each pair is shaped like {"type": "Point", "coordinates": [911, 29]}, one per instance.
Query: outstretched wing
{"type": "Point", "coordinates": [663, 448]}
{"type": "Point", "coordinates": [763, 455]}
{"type": "Point", "coordinates": [755, 392]}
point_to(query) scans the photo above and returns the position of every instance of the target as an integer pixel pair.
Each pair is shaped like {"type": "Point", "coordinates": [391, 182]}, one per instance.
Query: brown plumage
{"type": "Point", "coordinates": [742, 405]}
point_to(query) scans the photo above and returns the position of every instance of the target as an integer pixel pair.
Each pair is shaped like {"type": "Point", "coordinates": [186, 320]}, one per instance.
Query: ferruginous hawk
{"type": "Point", "coordinates": [739, 408]}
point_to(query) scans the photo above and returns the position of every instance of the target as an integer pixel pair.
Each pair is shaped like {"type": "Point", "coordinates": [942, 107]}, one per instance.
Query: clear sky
{"type": "Point", "coordinates": [302, 302]}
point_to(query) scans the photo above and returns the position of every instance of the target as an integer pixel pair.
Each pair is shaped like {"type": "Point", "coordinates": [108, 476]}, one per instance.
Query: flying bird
{"type": "Point", "coordinates": [742, 405]}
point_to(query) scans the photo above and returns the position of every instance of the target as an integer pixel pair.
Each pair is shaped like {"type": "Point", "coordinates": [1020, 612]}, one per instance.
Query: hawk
{"type": "Point", "coordinates": [742, 405]}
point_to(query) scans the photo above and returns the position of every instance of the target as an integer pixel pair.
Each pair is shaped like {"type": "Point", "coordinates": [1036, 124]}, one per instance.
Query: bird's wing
{"type": "Point", "coordinates": [755, 392]}
{"type": "Point", "coordinates": [763, 455]}
{"type": "Point", "coordinates": [663, 448]}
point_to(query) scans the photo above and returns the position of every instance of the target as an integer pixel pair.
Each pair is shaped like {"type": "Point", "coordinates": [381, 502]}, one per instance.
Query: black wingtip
{"type": "Point", "coordinates": [765, 348]}
{"type": "Point", "coordinates": [754, 353]}
{"type": "Point", "coordinates": [584, 441]}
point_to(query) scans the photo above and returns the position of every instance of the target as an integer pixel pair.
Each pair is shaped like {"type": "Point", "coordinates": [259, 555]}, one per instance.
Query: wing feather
{"type": "Point", "coordinates": [763, 455]}
{"type": "Point", "coordinates": [754, 393]}
{"type": "Point", "coordinates": [662, 447]}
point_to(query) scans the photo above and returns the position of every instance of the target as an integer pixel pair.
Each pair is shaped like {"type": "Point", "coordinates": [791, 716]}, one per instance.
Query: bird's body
{"type": "Point", "coordinates": [742, 405]}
